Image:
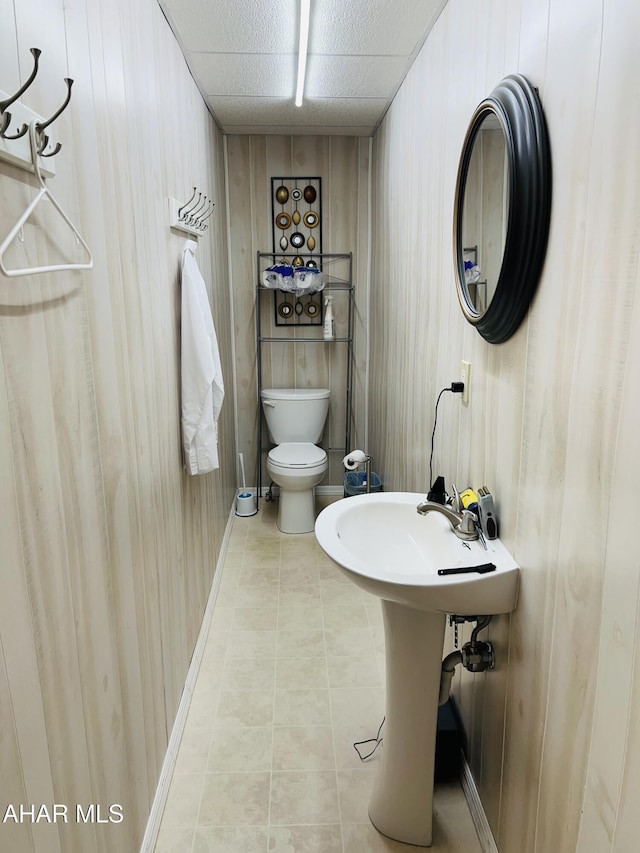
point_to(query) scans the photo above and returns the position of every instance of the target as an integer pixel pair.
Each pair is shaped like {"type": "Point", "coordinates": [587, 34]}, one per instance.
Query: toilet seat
{"type": "Point", "coordinates": [298, 454]}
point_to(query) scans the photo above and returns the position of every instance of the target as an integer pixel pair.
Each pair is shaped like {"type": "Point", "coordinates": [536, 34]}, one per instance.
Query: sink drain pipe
{"type": "Point", "coordinates": [476, 655]}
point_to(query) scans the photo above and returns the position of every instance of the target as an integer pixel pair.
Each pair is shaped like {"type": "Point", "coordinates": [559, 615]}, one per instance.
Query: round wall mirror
{"type": "Point", "coordinates": [502, 209]}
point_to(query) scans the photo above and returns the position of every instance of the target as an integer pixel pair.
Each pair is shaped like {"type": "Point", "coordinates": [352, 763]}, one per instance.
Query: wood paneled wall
{"type": "Point", "coordinates": [107, 549]}
{"type": "Point", "coordinates": [552, 422]}
{"type": "Point", "coordinates": [343, 164]}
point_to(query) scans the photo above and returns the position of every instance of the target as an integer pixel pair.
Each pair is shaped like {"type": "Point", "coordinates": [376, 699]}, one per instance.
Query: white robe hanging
{"type": "Point", "coordinates": [201, 373]}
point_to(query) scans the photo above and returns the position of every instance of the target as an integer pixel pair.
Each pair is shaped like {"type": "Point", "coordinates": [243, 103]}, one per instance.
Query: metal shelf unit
{"type": "Point", "coordinates": [332, 283]}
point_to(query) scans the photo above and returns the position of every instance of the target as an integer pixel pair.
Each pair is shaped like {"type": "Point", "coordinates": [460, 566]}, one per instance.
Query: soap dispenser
{"type": "Point", "coordinates": [329, 323]}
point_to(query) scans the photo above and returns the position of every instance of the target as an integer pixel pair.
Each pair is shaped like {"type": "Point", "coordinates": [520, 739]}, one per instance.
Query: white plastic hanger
{"type": "Point", "coordinates": [43, 191]}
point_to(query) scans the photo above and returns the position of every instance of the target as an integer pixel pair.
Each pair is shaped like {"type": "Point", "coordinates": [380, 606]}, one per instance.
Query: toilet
{"type": "Point", "coordinates": [295, 420]}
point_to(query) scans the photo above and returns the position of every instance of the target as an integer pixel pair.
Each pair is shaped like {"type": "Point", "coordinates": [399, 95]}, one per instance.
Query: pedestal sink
{"type": "Point", "coordinates": [382, 545]}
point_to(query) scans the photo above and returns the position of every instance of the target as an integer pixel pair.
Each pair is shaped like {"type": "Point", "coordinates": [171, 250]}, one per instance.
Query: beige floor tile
{"type": "Point", "coordinates": [261, 552]}
{"type": "Point", "coordinates": [254, 618]}
{"type": "Point", "coordinates": [227, 595]}
{"type": "Point", "coordinates": [303, 748]}
{"type": "Point", "coordinates": [181, 808]}
{"type": "Point", "coordinates": [251, 644]}
{"type": "Point", "coordinates": [344, 738]}
{"type": "Point", "coordinates": [300, 643]}
{"type": "Point", "coordinates": [248, 674]}
{"type": "Point", "coordinates": [349, 642]}
{"type": "Point", "coordinates": [234, 555]}
{"type": "Point", "coordinates": [341, 616]}
{"type": "Point", "coordinates": [235, 799]}
{"type": "Point", "coordinates": [218, 633]}
{"type": "Point", "coordinates": [378, 639]}
{"type": "Point", "coordinates": [353, 671]}
{"type": "Point", "coordinates": [229, 839]}
{"type": "Point", "coordinates": [453, 827]}
{"type": "Point", "coordinates": [264, 530]}
{"type": "Point", "coordinates": [264, 523]}
{"type": "Point", "coordinates": [194, 748]}
{"type": "Point", "coordinates": [222, 617]}
{"type": "Point", "coordinates": [362, 706]}
{"type": "Point", "coordinates": [336, 592]}
{"type": "Point", "coordinates": [233, 568]}
{"type": "Point", "coordinates": [216, 646]}
{"type": "Point", "coordinates": [302, 708]}
{"type": "Point", "coordinates": [305, 839]}
{"type": "Point", "coordinates": [364, 838]}
{"type": "Point", "coordinates": [204, 704]}
{"type": "Point", "coordinates": [300, 596]}
{"type": "Point", "coordinates": [237, 541]}
{"type": "Point", "coordinates": [173, 839]}
{"type": "Point", "coordinates": [300, 542]}
{"type": "Point", "coordinates": [240, 749]}
{"type": "Point", "coordinates": [210, 672]}
{"type": "Point", "coordinates": [303, 617]}
{"type": "Point", "coordinates": [262, 540]}
{"type": "Point", "coordinates": [374, 614]}
{"type": "Point", "coordinates": [354, 790]}
{"type": "Point", "coordinates": [295, 574]}
{"type": "Point", "coordinates": [294, 554]}
{"type": "Point", "coordinates": [245, 708]}
{"type": "Point", "coordinates": [301, 673]}
{"type": "Point", "coordinates": [264, 595]}
{"type": "Point", "coordinates": [304, 797]}
{"type": "Point", "coordinates": [295, 566]}
{"type": "Point", "coordinates": [260, 575]}
{"type": "Point", "coordinates": [328, 570]}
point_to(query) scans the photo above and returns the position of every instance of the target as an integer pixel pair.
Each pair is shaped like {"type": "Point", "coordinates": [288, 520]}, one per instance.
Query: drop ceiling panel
{"type": "Point", "coordinates": [295, 130]}
{"type": "Point", "coordinates": [282, 111]}
{"type": "Point", "coordinates": [234, 26]}
{"type": "Point", "coordinates": [229, 74]}
{"type": "Point", "coordinates": [243, 57]}
{"type": "Point", "coordinates": [368, 27]}
{"type": "Point", "coordinates": [353, 76]}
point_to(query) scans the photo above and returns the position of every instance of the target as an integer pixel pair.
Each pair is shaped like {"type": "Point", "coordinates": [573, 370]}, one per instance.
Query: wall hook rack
{"type": "Point", "coordinates": [5, 115]}
{"type": "Point", "coordinates": [15, 147]}
{"type": "Point", "coordinates": [191, 216]}
{"type": "Point", "coordinates": [42, 125]}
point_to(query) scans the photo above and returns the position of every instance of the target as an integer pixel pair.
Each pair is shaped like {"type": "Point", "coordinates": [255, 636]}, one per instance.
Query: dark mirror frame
{"type": "Point", "coordinates": [516, 104]}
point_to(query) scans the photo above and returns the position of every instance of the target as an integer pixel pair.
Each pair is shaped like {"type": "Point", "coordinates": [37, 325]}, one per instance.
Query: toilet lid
{"type": "Point", "coordinates": [297, 454]}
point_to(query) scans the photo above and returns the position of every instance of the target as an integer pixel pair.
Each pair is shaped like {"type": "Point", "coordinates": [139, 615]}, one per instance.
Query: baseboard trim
{"type": "Point", "coordinates": [320, 490]}
{"type": "Point", "coordinates": [476, 809]}
{"type": "Point", "coordinates": [330, 490]}
{"type": "Point", "coordinates": [159, 801]}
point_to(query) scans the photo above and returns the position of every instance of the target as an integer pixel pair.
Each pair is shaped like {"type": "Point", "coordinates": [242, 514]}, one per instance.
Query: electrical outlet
{"type": "Point", "coordinates": [465, 376]}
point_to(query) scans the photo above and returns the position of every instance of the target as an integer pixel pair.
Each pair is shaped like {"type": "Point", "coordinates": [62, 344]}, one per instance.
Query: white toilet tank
{"type": "Point", "coordinates": [295, 414]}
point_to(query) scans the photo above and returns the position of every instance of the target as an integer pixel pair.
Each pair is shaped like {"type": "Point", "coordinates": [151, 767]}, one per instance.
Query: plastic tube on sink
{"type": "Point", "coordinates": [353, 459]}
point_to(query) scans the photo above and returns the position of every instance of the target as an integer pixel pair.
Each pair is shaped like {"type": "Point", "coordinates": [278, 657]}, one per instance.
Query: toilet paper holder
{"type": "Point", "coordinates": [358, 457]}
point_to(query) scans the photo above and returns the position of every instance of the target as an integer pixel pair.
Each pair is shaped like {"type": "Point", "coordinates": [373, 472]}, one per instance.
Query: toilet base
{"type": "Point", "coordinates": [296, 511]}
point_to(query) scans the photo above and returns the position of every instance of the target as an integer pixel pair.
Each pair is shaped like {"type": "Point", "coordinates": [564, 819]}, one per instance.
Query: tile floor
{"type": "Point", "coordinates": [292, 675]}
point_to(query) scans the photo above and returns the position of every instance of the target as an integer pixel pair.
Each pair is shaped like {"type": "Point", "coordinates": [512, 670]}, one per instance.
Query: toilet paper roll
{"type": "Point", "coordinates": [353, 459]}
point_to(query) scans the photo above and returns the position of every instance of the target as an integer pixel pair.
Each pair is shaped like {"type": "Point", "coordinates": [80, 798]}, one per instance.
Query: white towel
{"type": "Point", "coordinates": [201, 372]}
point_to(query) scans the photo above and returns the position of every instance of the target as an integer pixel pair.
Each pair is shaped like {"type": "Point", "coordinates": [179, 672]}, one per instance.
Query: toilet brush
{"type": "Point", "coordinates": [245, 502]}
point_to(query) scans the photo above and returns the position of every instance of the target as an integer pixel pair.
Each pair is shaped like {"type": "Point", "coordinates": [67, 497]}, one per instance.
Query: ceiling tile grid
{"type": "Point", "coordinates": [243, 57]}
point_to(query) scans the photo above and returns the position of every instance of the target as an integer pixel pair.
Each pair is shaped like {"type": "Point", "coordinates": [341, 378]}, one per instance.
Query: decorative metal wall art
{"type": "Point", "coordinates": [296, 216]}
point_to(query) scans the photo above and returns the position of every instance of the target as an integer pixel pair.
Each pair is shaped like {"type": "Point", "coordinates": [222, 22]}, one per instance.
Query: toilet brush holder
{"type": "Point", "coordinates": [246, 504]}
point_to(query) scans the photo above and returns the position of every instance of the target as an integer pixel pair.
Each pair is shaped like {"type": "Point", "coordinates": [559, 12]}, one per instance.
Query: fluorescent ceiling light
{"type": "Point", "coordinates": [305, 9]}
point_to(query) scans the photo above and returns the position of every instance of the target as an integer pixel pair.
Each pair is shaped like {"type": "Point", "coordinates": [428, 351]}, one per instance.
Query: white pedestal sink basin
{"type": "Point", "coordinates": [381, 543]}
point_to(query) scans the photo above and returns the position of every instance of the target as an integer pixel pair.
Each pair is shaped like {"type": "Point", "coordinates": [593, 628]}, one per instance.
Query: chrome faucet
{"type": "Point", "coordinates": [464, 523]}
